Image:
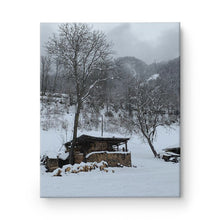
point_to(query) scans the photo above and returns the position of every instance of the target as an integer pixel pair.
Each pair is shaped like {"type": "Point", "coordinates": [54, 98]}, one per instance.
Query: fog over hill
{"type": "Point", "coordinates": [138, 67]}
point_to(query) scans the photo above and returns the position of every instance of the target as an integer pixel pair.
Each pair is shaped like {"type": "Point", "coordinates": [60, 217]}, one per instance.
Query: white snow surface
{"type": "Point", "coordinates": [153, 77]}
{"type": "Point", "coordinates": [148, 176]}
{"type": "Point", "coordinates": [63, 155]}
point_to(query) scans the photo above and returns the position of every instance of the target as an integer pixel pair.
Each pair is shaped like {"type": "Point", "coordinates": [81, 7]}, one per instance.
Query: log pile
{"type": "Point", "coordinates": [82, 167]}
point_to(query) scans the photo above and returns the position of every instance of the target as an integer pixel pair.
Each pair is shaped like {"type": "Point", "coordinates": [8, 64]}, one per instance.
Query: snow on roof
{"type": "Point", "coordinates": [87, 137]}
{"type": "Point", "coordinates": [108, 152]}
{"type": "Point", "coordinates": [51, 154]}
{"type": "Point", "coordinates": [173, 146]}
{"type": "Point", "coordinates": [63, 155]}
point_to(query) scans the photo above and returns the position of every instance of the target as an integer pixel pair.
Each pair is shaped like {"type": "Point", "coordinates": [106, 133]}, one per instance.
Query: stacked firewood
{"type": "Point", "coordinates": [82, 167]}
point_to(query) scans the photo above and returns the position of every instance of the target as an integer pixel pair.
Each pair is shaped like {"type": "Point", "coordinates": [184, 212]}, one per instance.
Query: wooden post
{"type": "Point", "coordinates": [102, 127]}
{"type": "Point", "coordinates": [126, 147]}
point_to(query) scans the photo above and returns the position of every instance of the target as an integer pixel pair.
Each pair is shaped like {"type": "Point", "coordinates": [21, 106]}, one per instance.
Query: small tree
{"type": "Point", "coordinates": [82, 52]}
{"type": "Point", "coordinates": [149, 104]}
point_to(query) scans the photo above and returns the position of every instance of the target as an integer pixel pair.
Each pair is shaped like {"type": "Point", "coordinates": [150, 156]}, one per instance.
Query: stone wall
{"type": "Point", "coordinates": [79, 157]}
{"type": "Point", "coordinates": [52, 164]}
{"type": "Point", "coordinates": [113, 159]}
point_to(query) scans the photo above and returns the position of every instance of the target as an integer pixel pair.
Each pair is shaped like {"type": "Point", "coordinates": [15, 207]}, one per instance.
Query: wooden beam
{"type": "Point", "coordinates": [126, 147]}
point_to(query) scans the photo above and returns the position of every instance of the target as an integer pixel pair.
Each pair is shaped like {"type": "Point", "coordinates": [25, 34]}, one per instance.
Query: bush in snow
{"type": "Point", "coordinates": [109, 114]}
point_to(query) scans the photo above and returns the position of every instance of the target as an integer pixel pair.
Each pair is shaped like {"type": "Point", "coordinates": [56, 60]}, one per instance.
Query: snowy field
{"type": "Point", "coordinates": [149, 177]}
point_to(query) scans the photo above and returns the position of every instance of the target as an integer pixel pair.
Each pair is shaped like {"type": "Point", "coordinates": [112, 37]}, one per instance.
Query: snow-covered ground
{"type": "Point", "coordinates": [149, 177]}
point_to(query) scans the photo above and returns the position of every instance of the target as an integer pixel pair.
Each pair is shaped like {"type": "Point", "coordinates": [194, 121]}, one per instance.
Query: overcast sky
{"type": "Point", "coordinates": [146, 41]}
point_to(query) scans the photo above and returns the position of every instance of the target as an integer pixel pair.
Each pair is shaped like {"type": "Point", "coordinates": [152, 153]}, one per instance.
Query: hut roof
{"type": "Point", "coordinates": [91, 139]}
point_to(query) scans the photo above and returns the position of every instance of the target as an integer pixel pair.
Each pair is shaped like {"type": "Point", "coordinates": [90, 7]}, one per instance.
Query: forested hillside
{"type": "Point", "coordinates": [117, 92]}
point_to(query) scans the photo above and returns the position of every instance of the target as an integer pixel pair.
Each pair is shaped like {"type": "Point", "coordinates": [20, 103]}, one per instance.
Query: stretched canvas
{"type": "Point", "coordinates": [110, 110]}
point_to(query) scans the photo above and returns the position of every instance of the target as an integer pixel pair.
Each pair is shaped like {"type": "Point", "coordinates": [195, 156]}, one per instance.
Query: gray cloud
{"type": "Point", "coordinates": [46, 30]}
{"type": "Point", "coordinates": [146, 41]}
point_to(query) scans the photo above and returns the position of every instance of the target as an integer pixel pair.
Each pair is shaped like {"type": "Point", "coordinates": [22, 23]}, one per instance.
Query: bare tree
{"type": "Point", "coordinates": [81, 51]}
{"type": "Point", "coordinates": [45, 63]}
{"type": "Point", "coordinates": [149, 104]}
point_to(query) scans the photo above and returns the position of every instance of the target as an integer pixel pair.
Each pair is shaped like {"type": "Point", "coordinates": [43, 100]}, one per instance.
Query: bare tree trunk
{"type": "Point", "coordinates": [45, 84]}
{"type": "Point", "coordinates": [76, 123]}
{"type": "Point", "coordinates": [152, 147]}
{"type": "Point", "coordinates": [45, 68]}
{"type": "Point", "coordinates": [71, 98]}
{"type": "Point", "coordinates": [42, 84]}
{"type": "Point", "coordinates": [150, 144]}
{"type": "Point", "coordinates": [102, 126]}
{"type": "Point", "coordinates": [55, 78]}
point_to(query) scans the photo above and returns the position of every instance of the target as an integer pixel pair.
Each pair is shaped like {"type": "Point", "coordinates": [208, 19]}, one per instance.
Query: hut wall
{"type": "Point", "coordinates": [113, 159]}
{"type": "Point", "coordinates": [79, 158]}
{"type": "Point", "coordinates": [98, 146]}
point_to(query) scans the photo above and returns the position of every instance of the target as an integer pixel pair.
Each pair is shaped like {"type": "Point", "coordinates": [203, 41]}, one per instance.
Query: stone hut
{"type": "Point", "coordinates": [90, 149]}
{"type": "Point", "coordinates": [95, 149]}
